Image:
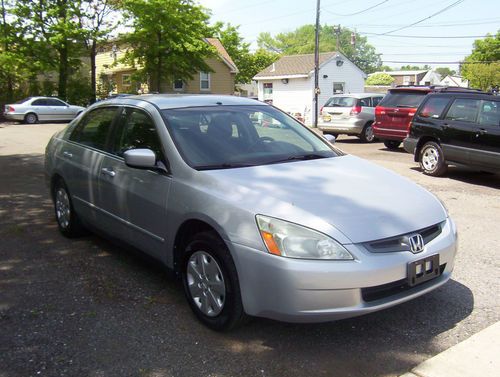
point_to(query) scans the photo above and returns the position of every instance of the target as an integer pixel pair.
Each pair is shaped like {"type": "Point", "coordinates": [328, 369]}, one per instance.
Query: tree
{"type": "Point", "coordinates": [380, 79]}
{"type": "Point", "coordinates": [482, 66]}
{"type": "Point", "coordinates": [53, 22]}
{"type": "Point", "coordinates": [445, 71]}
{"type": "Point", "coordinates": [167, 41]}
{"type": "Point", "coordinates": [249, 64]}
{"type": "Point", "coordinates": [301, 41]}
{"type": "Point", "coordinates": [94, 17]}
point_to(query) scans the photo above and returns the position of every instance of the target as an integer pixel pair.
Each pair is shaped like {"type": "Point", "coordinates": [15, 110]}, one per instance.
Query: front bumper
{"type": "Point", "coordinates": [410, 144]}
{"type": "Point", "coordinates": [295, 290]}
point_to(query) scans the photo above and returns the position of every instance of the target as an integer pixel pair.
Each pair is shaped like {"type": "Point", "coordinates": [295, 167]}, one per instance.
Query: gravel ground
{"type": "Point", "coordinates": [91, 308]}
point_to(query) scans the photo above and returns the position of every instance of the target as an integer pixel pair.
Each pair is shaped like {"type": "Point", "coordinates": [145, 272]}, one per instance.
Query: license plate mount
{"type": "Point", "coordinates": [423, 270]}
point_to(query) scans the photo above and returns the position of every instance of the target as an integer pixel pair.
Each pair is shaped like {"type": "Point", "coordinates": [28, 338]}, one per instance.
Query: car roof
{"type": "Point", "coordinates": [173, 101]}
{"type": "Point", "coordinates": [358, 95]}
{"type": "Point", "coordinates": [470, 94]}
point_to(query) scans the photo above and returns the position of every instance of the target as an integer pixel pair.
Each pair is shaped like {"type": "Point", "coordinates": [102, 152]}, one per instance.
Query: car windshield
{"type": "Point", "coordinates": [340, 102]}
{"type": "Point", "coordinates": [238, 136]}
{"type": "Point", "coordinates": [23, 100]}
{"type": "Point", "coordinates": [403, 99]}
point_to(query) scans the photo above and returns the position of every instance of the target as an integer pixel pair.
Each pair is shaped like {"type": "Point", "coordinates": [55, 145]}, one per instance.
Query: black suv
{"type": "Point", "coordinates": [458, 128]}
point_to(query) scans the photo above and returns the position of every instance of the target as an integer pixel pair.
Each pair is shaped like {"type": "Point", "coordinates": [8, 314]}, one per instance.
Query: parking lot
{"type": "Point", "coordinates": [91, 308]}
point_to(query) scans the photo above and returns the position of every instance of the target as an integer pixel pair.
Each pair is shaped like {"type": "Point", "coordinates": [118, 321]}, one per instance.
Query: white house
{"type": "Point", "coordinates": [289, 82]}
{"type": "Point", "coordinates": [453, 80]}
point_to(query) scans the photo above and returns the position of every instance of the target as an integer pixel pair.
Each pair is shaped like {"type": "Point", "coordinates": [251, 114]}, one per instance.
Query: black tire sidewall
{"type": "Point", "coordinates": [363, 134]}
{"type": "Point", "coordinates": [392, 144]}
{"type": "Point", "coordinates": [232, 311]}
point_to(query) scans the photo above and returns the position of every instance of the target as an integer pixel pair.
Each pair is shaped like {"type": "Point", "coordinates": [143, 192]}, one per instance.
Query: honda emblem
{"type": "Point", "coordinates": [416, 243]}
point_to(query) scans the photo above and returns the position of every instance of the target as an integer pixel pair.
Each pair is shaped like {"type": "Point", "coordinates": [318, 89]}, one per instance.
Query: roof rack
{"type": "Point", "coordinates": [445, 88]}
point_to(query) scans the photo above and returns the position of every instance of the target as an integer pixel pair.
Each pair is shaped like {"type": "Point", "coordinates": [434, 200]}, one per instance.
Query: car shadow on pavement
{"type": "Point", "coordinates": [89, 307]}
{"type": "Point", "coordinates": [466, 175]}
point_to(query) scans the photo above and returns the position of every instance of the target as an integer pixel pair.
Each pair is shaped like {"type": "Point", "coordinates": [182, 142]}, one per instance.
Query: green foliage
{"type": "Point", "coordinates": [482, 66]}
{"type": "Point", "coordinates": [79, 90]}
{"type": "Point", "coordinates": [249, 64]}
{"type": "Point", "coordinates": [380, 79]}
{"type": "Point", "coordinates": [415, 67]}
{"type": "Point", "coordinates": [445, 71]}
{"type": "Point", "coordinates": [167, 40]}
{"type": "Point", "coordinates": [301, 41]}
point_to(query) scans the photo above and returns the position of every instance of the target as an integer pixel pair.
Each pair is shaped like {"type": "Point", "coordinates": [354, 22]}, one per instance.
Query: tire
{"type": "Point", "coordinates": [67, 220]}
{"type": "Point", "coordinates": [432, 160]}
{"type": "Point", "coordinates": [367, 135]}
{"type": "Point", "coordinates": [211, 282]}
{"type": "Point", "coordinates": [392, 144]}
{"type": "Point", "coordinates": [30, 118]}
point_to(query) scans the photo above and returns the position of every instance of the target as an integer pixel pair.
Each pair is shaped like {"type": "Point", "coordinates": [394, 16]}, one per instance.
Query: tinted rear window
{"type": "Point", "coordinates": [403, 99]}
{"type": "Point", "coordinates": [434, 107]}
{"type": "Point", "coordinates": [340, 102]}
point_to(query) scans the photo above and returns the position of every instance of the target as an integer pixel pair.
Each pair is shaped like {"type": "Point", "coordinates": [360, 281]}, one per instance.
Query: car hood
{"type": "Point", "coordinates": [362, 200]}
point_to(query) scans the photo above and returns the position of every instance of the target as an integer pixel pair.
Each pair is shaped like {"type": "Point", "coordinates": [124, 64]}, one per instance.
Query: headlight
{"type": "Point", "coordinates": [295, 241]}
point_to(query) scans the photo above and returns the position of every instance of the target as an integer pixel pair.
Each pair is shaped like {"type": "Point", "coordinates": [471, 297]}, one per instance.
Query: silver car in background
{"type": "Point", "coordinates": [256, 220]}
{"type": "Point", "coordinates": [350, 114]}
{"type": "Point", "coordinates": [33, 109]}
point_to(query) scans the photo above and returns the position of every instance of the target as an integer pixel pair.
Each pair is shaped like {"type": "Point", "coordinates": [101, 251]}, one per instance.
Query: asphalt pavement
{"type": "Point", "coordinates": [87, 307]}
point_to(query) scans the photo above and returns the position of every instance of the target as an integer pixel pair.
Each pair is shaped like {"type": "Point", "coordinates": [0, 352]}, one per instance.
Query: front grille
{"type": "Point", "coordinates": [386, 290]}
{"type": "Point", "coordinates": [401, 243]}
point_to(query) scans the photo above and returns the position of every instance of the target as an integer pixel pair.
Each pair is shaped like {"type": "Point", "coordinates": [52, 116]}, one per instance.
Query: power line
{"type": "Point", "coordinates": [355, 13]}
{"type": "Point", "coordinates": [428, 26]}
{"type": "Point", "coordinates": [428, 37]}
{"type": "Point", "coordinates": [426, 18]}
{"type": "Point", "coordinates": [434, 62]}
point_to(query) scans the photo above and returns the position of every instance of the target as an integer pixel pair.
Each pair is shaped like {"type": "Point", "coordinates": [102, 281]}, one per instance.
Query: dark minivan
{"type": "Point", "coordinates": [456, 128]}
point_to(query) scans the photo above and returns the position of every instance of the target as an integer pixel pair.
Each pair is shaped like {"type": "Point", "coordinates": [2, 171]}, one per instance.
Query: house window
{"type": "Point", "coordinates": [406, 80]}
{"type": "Point", "coordinates": [338, 87]}
{"type": "Point", "coordinates": [268, 91]}
{"type": "Point", "coordinates": [204, 81]}
{"type": "Point", "coordinates": [178, 84]}
{"type": "Point", "coordinates": [126, 80]}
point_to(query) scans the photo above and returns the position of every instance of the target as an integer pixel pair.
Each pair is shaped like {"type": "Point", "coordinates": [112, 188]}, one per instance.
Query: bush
{"type": "Point", "coordinates": [380, 79]}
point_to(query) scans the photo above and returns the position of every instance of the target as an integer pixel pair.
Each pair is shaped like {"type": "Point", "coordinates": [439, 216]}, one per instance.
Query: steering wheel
{"type": "Point", "coordinates": [263, 139]}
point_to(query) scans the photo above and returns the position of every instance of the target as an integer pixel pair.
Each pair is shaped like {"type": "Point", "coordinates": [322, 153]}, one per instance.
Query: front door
{"type": "Point", "coordinates": [134, 200]}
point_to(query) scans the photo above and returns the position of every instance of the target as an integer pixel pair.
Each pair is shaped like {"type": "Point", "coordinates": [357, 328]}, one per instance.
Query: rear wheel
{"type": "Point", "coordinates": [432, 159]}
{"type": "Point", "coordinates": [67, 220]}
{"type": "Point", "coordinates": [211, 282]}
{"type": "Point", "coordinates": [30, 118]}
{"type": "Point", "coordinates": [392, 144]}
{"type": "Point", "coordinates": [367, 135]}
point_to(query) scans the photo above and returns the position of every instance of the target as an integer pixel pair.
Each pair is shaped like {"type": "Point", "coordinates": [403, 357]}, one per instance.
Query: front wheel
{"type": "Point", "coordinates": [392, 144]}
{"type": "Point", "coordinates": [367, 135]}
{"type": "Point", "coordinates": [432, 159]}
{"type": "Point", "coordinates": [211, 282]}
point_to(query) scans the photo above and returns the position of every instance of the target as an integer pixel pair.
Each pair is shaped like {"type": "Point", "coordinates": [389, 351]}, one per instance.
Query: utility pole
{"type": "Point", "coordinates": [337, 30]}
{"type": "Point", "coordinates": [316, 67]}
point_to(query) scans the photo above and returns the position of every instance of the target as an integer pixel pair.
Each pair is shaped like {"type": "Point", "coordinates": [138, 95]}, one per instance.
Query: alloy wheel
{"type": "Point", "coordinates": [63, 208]}
{"type": "Point", "coordinates": [430, 158]}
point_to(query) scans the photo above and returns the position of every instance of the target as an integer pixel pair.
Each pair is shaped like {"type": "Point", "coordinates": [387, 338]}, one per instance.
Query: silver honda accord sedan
{"type": "Point", "coordinates": [257, 214]}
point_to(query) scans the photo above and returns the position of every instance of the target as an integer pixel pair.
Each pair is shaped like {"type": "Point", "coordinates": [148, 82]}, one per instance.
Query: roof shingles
{"type": "Point", "coordinates": [294, 65]}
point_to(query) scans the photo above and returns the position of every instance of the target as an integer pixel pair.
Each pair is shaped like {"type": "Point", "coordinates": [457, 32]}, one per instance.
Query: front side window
{"type": "Point", "coordinates": [94, 128]}
{"type": "Point", "coordinates": [235, 136]}
{"type": "Point", "coordinates": [464, 110]}
{"type": "Point", "coordinates": [434, 107]}
{"type": "Point", "coordinates": [204, 81]}
{"type": "Point", "coordinates": [136, 130]}
{"type": "Point", "coordinates": [490, 113]}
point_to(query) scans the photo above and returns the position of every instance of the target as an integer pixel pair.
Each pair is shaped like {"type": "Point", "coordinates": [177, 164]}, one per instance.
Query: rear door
{"type": "Point", "coordinates": [486, 140]}
{"type": "Point", "coordinates": [133, 200]}
{"type": "Point", "coordinates": [459, 126]}
{"type": "Point", "coordinates": [41, 108]}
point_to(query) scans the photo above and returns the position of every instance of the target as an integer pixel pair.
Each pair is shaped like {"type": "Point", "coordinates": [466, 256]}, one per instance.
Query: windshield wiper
{"type": "Point", "coordinates": [301, 157]}
{"type": "Point", "coordinates": [406, 106]}
{"type": "Point", "coordinates": [223, 166]}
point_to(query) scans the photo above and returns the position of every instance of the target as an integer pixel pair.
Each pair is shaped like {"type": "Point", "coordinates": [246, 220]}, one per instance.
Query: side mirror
{"type": "Point", "coordinates": [140, 158]}
{"type": "Point", "coordinates": [329, 138]}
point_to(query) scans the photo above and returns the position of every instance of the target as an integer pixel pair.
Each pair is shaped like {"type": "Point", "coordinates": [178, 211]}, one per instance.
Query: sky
{"type": "Point", "coordinates": [441, 21]}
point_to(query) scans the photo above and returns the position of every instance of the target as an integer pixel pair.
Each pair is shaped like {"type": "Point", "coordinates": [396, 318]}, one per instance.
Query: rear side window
{"type": "Point", "coordinates": [341, 102]}
{"type": "Point", "coordinates": [464, 110]}
{"type": "Point", "coordinates": [403, 99]}
{"type": "Point", "coordinates": [364, 102]}
{"type": "Point", "coordinates": [434, 107]}
{"type": "Point", "coordinates": [39, 102]}
{"type": "Point", "coordinates": [376, 101]}
{"type": "Point", "coordinates": [490, 113]}
{"type": "Point", "coordinates": [93, 130]}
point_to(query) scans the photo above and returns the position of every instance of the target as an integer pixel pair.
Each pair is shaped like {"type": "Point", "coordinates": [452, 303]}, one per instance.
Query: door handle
{"type": "Point", "coordinates": [108, 171]}
{"type": "Point", "coordinates": [481, 132]}
{"type": "Point", "coordinates": [67, 154]}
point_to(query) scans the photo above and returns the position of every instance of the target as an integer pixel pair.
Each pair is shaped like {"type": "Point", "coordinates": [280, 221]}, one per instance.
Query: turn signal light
{"type": "Point", "coordinates": [270, 243]}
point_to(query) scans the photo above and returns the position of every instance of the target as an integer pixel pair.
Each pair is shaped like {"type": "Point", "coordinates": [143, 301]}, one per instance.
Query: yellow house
{"type": "Point", "coordinates": [117, 77]}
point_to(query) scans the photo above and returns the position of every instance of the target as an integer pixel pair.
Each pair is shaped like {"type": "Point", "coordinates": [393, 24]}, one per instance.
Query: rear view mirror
{"type": "Point", "coordinates": [329, 138]}
{"type": "Point", "coordinates": [140, 158]}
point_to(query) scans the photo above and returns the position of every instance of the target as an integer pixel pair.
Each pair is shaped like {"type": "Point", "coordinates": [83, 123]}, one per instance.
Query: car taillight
{"type": "Point", "coordinates": [321, 110]}
{"type": "Point", "coordinates": [10, 109]}
{"type": "Point", "coordinates": [379, 111]}
{"type": "Point", "coordinates": [355, 110]}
